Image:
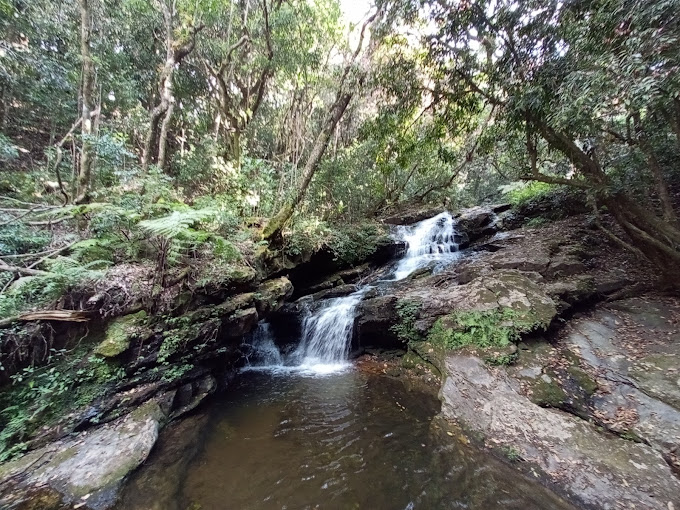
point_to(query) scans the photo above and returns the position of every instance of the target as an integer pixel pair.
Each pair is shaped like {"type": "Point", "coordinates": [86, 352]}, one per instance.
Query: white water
{"type": "Point", "coordinates": [325, 344]}
{"type": "Point", "coordinates": [430, 241]}
{"type": "Point", "coordinates": [327, 331]}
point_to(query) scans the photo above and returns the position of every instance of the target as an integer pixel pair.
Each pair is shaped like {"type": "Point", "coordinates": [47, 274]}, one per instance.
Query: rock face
{"type": "Point", "coordinates": [85, 471]}
{"type": "Point", "coordinates": [596, 470]}
{"type": "Point", "coordinates": [119, 333]}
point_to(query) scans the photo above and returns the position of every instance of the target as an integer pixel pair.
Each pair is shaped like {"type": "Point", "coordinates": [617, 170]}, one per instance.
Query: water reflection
{"type": "Point", "coordinates": [347, 441]}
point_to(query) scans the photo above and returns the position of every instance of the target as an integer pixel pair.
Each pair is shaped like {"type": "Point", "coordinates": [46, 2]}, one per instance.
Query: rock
{"type": "Point", "coordinates": [86, 470]}
{"type": "Point", "coordinates": [564, 265]}
{"type": "Point", "coordinates": [340, 291]}
{"type": "Point", "coordinates": [498, 290]}
{"type": "Point", "coordinates": [120, 332]}
{"type": "Point", "coordinates": [596, 470]}
{"type": "Point", "coordinates": [374, 320]}
{"type": "Point", "coordinates": [240, 323]}
{"type": "Point", "coordinates": [642, 397]}
{"type": "Point", "coordinates": [413, 216]}
{"type": "Point", "coordinates": [271, 294]}
{"type": "Point", "coordinates": [190, 395]}
{"type": "Point", "coordinates": [477, 222]}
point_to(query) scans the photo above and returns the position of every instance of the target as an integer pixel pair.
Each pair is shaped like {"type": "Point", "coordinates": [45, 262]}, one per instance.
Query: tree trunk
{"type": "Point", "coordinates": [175, 51]}
{"type": "Point", "coordinates": [86, 156]}
{"type": "Point", "coordinates": [276, 224]}
{"type": "Point", "coordinates": [656, 238]}
{"type": "Point", "coordinates": [163, 138]}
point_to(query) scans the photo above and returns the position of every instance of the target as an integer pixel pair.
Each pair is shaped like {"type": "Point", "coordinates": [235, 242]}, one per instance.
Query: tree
{"type": "Point", "coordinates": [87, 100]}
{"type": "Point", "coordinates": [588, 81]}
{"type": "Point", "coordinates": [176, 49]}
{"type": "Point", "coordinates": [345, 91]}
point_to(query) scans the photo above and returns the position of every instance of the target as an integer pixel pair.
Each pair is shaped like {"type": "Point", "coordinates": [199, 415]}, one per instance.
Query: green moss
{"type": "Point", "coordinates": [119, 334]}
{"type": "Point", "coordinates": [547, 393]}
{"type": "Point", "coordinates": [581, 377]}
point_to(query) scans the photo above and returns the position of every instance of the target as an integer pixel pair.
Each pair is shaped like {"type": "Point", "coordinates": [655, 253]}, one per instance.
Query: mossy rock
{"type": "Point", "coordinates": [119, 333]}
{"type": "Point", "coordinates": [548, 393]}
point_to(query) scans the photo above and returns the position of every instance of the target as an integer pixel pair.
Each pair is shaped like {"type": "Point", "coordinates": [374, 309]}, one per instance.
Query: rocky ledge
{"type": "Point", "coordinates": [549, 357]}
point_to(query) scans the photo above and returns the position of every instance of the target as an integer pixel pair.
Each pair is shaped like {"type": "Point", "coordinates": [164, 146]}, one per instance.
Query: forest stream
{"type": "Point", "coordinates": [304, 428]}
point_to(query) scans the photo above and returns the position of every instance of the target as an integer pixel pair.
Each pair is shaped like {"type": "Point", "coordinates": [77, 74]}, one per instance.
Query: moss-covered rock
{"type": "Point", "coordinates": [119, 333]}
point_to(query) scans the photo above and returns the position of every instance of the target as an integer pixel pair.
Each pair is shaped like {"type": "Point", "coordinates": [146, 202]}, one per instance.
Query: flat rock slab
{"type": "Point", "coordinates": [632, 349]}
{"type": "Point", "coordinates": [595, 469]}
{"type": "Point", "coordinates": [86, 470]}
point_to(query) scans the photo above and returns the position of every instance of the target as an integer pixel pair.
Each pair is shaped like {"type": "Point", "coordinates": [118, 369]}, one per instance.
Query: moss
{"type": "Point", "coordinates": [581, 377]}
{"type": "Point", "coordinates": [407, 311]}
{"type": "Point", "coordinates": [547, 393]}
{"type": "Point", "coordinates": [492, 328]}
{"type": "Point", "coordinates": [119, 334]}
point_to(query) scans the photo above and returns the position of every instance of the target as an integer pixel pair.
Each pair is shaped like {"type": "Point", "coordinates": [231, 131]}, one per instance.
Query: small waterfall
{"type": "Point", "coordinates": [327, 330]}
{"type": "Point", "coordinates": [327, 333]}
{"type": "Point", "coordinates": [325, 344]}
{"type": "Point", "coordinates": [432, 240]}
{"type": "Point", "coordinates": [263, 351]}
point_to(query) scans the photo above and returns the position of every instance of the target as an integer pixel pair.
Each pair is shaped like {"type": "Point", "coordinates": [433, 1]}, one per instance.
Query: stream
{"type": "Point", "coordinates": [307, 429]}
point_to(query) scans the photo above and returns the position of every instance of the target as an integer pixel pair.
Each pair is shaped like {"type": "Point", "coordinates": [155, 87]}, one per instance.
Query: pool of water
{"type": "Point", "coordinates": [349, 440]}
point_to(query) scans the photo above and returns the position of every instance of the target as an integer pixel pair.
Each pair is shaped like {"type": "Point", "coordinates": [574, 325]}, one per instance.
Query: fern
{"type": "Point", "coordinates": [178, 223]}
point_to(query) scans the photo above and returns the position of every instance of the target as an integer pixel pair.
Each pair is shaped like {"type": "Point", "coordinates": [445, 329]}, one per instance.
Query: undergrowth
{"type": "Point", "coordinates": [40, 396]}
{"type": "Point", "coordinates": [407, 311]}
{"type": "Point", "coordinates": [494, 328]}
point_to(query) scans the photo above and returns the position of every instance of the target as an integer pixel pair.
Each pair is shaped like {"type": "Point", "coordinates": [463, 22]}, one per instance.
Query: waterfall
{"type": "Point", "coordinates": [263, 350]}
{"type": "Point", "coordinates": [327, 329]}
{"type": "Point", "coordinates": [327, 333]}
{"type": "Point", "coordinates": [434, 240]}
{"type": "Point", "coordinates": [325, 344]}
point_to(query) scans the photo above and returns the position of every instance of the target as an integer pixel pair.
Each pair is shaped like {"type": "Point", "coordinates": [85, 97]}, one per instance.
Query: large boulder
{"type": "Point", "coordinates": [86, 471]}
{"type": "Point", "coordinates": [595, 469]}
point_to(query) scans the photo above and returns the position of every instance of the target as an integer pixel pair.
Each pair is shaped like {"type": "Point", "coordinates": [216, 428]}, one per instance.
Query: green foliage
{"type": "Point", "coordinates": [521, 193]}
{"type": "Point", "coordinates": [501, 360]}
{"type": "Point", "coordinates": [36, 291]}
{"type": "Point", "coordinates": [354, 243]}
{"type": "Point", "coordinates": [41, 396]}
{"type": "Point", "coordinates": [18, 237]}
{"type": "Point", "coordinates": [306, 237]}
{"type": "Point", "coordinates": [407, 311]}
{"type": "Point", "coordinates": [495, 328]}
{"type": "Point", "coordinates": [512, 454]}
{"type": "Point", "coordinates": [8, 151]}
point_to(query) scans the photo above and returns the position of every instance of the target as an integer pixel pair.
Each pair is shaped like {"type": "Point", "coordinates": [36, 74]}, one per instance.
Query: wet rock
{"type": "Point", "coordinates": [592, 468]}
{"type": "Point", "coordinates": [120, 332]}
{"type": "Point", "coordinates": [87, 470]}
{"type": "Point", "coordinates": [340, 291]}
{"type": "Point", "coordinates": [412, 216]}
{"type": "Point", "coordinates": [190, 395]}
{"type": "Point", "coordinates": [373, 327]}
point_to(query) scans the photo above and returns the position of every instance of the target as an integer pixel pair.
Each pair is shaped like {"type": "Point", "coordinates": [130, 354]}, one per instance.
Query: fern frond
{"type": "Point", "coordinates": [178, 223]}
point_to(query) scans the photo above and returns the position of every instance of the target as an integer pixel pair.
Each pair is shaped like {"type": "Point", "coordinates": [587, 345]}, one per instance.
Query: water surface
{"type": "Point", "coordinates": [349, 440]}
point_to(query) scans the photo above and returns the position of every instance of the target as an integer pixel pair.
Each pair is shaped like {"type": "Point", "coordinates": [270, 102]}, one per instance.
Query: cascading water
{"type": "Point", "coordinates": [327, 334]}
{"type": "Point", "coordinates": [264, 352]}
{"type": "Point", "coordinates": [326, 339]}
{"type": "Point", "coordinates": [327, 330]}
{"type": "Point", "coordinates": [434, 240]}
